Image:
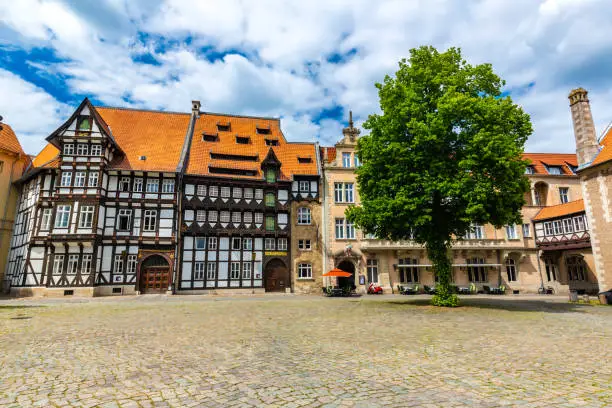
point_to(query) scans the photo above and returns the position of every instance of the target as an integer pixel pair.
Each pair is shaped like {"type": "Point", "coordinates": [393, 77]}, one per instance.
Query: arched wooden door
{"type": "Point", "coordinates": [276, 276]}
{"type": "Point", "coordinates": [154, 275]}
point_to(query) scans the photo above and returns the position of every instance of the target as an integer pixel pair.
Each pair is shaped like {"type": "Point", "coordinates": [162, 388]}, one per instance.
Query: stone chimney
{"type": "Point", "coordinates": [195, 107]}
{"type": "Point", "coordinates": [587, 146]}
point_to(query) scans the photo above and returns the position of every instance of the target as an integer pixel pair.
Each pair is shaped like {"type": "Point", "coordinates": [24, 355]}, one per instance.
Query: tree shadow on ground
{"type": "Point", "coordinates": [17, 307]}
{"type": "Point", "coordinates": [519, 305]}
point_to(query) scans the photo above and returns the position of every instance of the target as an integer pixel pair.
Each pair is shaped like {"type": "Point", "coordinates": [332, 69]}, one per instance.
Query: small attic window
{"type": "Point", "coordinates": [271, 142]}
{"type": "Point", "coordinates": [142, 158]}
{"type": "Point", "coordinates": [304, 160]}
{"type": "Point", "coordinates": [210, 137]}
{"type": "Point", "coordinates": [529, 170]}
{"type": "Point", "coordinates": [224, 127]}
{"type": "Point", "coordinates": [554, 170]}
{"type": "Point", "coordinates": [263, 131]}
{"type": "Point", "coordinates": [243, 139]}
{"type": "Point", "coordinates": [83, 123]}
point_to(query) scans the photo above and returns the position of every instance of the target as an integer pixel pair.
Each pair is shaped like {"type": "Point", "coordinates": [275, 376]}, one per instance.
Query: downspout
{"type": "Point", "coordinates": [324, 216]}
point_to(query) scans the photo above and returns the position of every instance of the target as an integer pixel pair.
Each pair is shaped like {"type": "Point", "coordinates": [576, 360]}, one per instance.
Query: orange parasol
{"type": "Point", "coordinates": [338, 272]}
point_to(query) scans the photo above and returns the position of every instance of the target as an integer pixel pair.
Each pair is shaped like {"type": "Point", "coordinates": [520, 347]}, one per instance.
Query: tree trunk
{"type": "Point", "coordinates": [442, 266]}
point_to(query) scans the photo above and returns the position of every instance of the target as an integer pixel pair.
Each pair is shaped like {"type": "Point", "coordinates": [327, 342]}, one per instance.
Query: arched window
{"type": "Point", "coordinates": [511, 269]}
{"type": "Point", "coordinates": [303, 216]}
{"type": "Point", "coordinates": [551, 269]}
{"type": "Point", "coordinates": [576, 268]}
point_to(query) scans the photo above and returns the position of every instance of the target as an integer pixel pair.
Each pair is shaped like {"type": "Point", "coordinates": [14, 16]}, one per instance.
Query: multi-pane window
{"type": "Point", "coordinates": [511, 232]}
{"type": "Point", "coordinates": [211, 271]}
{"type": "Point", "coordinates": [118, 264]}
{"type": "Point", "coordinates": [476, 232]}
{"type": "Point", "coordinates": [247, 244]}
{"type": "Point", "coordinates": [356, 160]}
{"type": "Point", "coordinates": [258, 218]}
{"type": "Point", "coordinates": [579, 223]}
{"type": "Point", "coordinates": [236, 217]}
{"type": "Point", "coordinates": [304, 245]}
{"type": "Point", "coordinates": [303, 216]}
{"type": "Point", "coordinates": [132, 261]}
{"type": "Point", "coordinates": [200, 215]}
{"type": "Point", "coordinates": [526, 231]}
{"type": "Point", "coordinates": [477, 272]}
{"type": "Point", "coordinates": [168, 186]}
{"type": "Point", "coordinates": [554, 170]}
{"type": "Point", "coordinates": [213, 191]}
{"type": "Point", "coordinates": [558, 227]}
{"type": "Point", "coordinates": [372, 270]}
{"type": "Point", "coordinates": [247, 217]}
{"type": "Point", "coordinates": [86, 216]}
{"type": "Point", "coordinates": [270, 223]}
{"type": "Point", "coordinates": [576, 268]}
{"type": "Point", "coordinates": [212, 216]}
{"type": "Point", "coordinates": [66, 179]}
{"type": "Point", "coordinates": [568, 225]}
{"type": "Point", "coordinates": [93, 179]}
{"type": "Point", "coordinates": [82, 149]}
{"type": "Point", "coordinates": [529, 170]}
{"type": "Point", "coordinates": [548, 228]}
{"type": "Point", "coordinates": [511, 269]}
{"type": "Point", "coordinates": [551, 269]}
{"type": "Point", "coordinates": [408, 270]}
{"type": "Point", "coordinates": [235, 270]}
{"type": "Point", "coordinates": [258, 194]}
{"type": "Point", "coordinates": [270, 200]}
{"type": "Point", "coordinates": [270, 244]}
{"type": "Point", "coordinates": [225, 216]}
{"type": "Point", "coordinates": [304, 271]}
{"type": "Point", "coordinates": [96, 150]}
{"type": "Point", "coordinates": [212, 243]}
{"type": "Point", "coordinates": [237, 192]}
{"type": "Point", "coordinates": [339, 228]}
{"type": "Point", "coordinates": [346, 160]}
{"type": "Point", "coordinates": [45, 223]}
{"type": "Point", "coordinates": [58, 264]}
{"type": "Point", "coordinates": [248, 193]}
{"type": "Point", "coordinates": [201, 190]}
{"type": "Point", "coordinates": [86, 265]}
{"type": "Point", "coordinates": [200, 243]}
{"type": "Point", "coordinates": [124, 184]}
{"type": "Point", "coordinates": [68, 149]}
{"type": "Point", "coordinates": [344, 192]}
{"type": "Point", "coordinates": [350, 230]}
{"type": "Point", "coordinates": [73, 265]}
{"type": "Point", "coordinates": [246, 270]}
{"type": "Point", "coordinates": [62, 216]}
{"type": "Point", "coordinates": [138, 185]}
{"type": "Point", "coordinates": [198, 271]}
{"type": "Point", "coordinates": [282, 244]}
{"type": "Point", "coordinates": [150, 220]}
{"type": "Point", "coordinates": [225, 192]}
{"type": "Point", "coordinates": [236, 241]}
{"type": "Point", "coordinates": [124, 220]}
{"type": "Point", "coordinates": [152, 185]}
{"type": "Point", "coordinates": [563, 194]}
{"type": "Point", "coordinates": [304, 186]}
{"type": "Point", "coordinates": [79, 179]}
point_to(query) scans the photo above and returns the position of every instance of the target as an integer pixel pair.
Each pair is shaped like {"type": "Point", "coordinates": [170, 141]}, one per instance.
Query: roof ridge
{"type": "Point", "coordinates": [562, 204]}
{"type": "Point", "coordinates": [240, 116]}
{"type": "Point", "coordinates": [142, 110]}
{"type": "Point", "coordinates": [557, 154]}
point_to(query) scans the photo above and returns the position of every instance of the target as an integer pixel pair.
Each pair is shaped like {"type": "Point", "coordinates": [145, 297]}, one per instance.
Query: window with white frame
{"type": "Point", "coordinates": [235, 270]}
{"type": "Point", "coordinates": [476, 232]}
{"type": "Point", "coordinates": [526, 230]}
{"type": "Point", "coordinates": [579, 224]}
{"type": "Point", "coordinates": [246, 270]}
{"type": "Point", "coordinates": [201, 215]}
{"type": "Point", "coordinates": [304, 271]}
{"type": "Point", "coordinates": [303, 216]}
{"type": "Point", "coordinates": [247, 244]}
{"type": "Point", "coordinates": [511, 232]}
{"type": "Point", "coordinates": [68, 149]}
{"type": "Point", "coordinates": [356, 160]}
{"type": "Point", "coordinates": [62, 216]}
{"type": "Point", "coordinates": [73, 265]}
{"type": "Point", "coordinates": [372, 270]}
{"type": "Point", "coordinates": [132, 261]}
{"type": "Point", "coordinates": [344, 192]}
{"type": "Point", "coordinates": [93, 179]}
{"type": "Point", "coordinates": [408, 270]}
{"type": "Point", "coordinates": [248, 193]}
{"type": "Point", "coordinates": [236, 217]}
{"type": "Point", "coordinates": [79, 179]}
{"type": "Point", "coordinates": [152, 185]}
{"type": "Point", "coordinates": [150, 220]}
{"type": "Point", "coordinates": [568, 225]}
{"type": "Point", "coordinates": [138, 185]}
{"type": "Point", "coordinates": [304, 186]}
{"type": "Point", "coordinates": [339, 228]}
{"type": "Point", "coordinates": [225, 216]}
{"type": "Point", "coordinates": [558, 227]}
{"type": "Point", "coordinates": [198, 271]}
{"type": "Point", "coordinates": [58, 264]}
{"type": "Point", "coordinates": [82, 149]}
{"type": "Point", "coordinates": [477, 272]}
{"type": "Point", "coordinates": [270, 244]}
{"type": "Point", "coordinates": [564, 194]}
{"type": "Point", "coordinates": [201, 190]}
{"type": "Point", "coordinates": [529, 170]}
{"type": "Point", "coordinates": [124, 184]}
{"type": "Point", "coordinates": [211, 271]}
{"type": "Point", "coordinates": [86, 264]}
{"type": "Point", "coordinates": [200, 243]}
{"type": "Point", "coordinates": [236, 242]}
{"type": "Point", "coordinates": [236, 192]}
{"type": "Point", "coordinates": [258, 194]}
{"type": "Point", "coordinates": [282, 244]}
{"type": "Point", "coordinates": [168, 186]}
{"type": "Point", "coordinates": [213, 191]}
{"type": "Point", "coordinates": [511, 269]}
{"type": "Point", "coordinates": [212, 243]}
{"type": "Point", "coordinates": [86, 216]}
{"type": "Point", "coordinates": [248, 217]}
{"type": "Point", "coordinates": [45, 222]}
{"type": "Point", "coordinates": [96, 150]}
{"type": "Point", "coordinates": [124, 220]}
{"type": "Point", "coordinates": [66, 179]}
{"type": "Point", "coordinates": [346, 160]}
{"type": "Point", "coordinates": [225, 192]}
{"type": "Point", "coordinates": [350, 230]}
{"type": "Point", "coordinates": [212, 217]}
{"type": "Point", "coordinates": [554, 170]}
{"type": "Point", "coordinates": [258, 218]}
{"type": "Point", "coordinates": [304, 245]}
{"type": "Point", "coordinates": [118, 265]}
{"type": "Point", "coordinates": [548, 228]}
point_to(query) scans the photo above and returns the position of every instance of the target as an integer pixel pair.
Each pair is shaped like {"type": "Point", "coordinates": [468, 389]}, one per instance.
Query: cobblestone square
{"type": "Point", "coordinates": [290, 351]}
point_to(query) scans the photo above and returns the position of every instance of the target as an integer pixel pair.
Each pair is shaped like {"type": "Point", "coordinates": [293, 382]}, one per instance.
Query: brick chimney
{"type": "Point", "coordinates": [587, 146]}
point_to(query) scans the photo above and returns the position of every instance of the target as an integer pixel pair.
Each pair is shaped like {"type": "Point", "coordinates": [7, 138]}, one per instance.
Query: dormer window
{"type": "Point", "coordinates": [572, 168]}
{"type": "Point", "coordinates": [554, 170]}
{"type": "Point", "coordinates": [68, 149]}
{"type": "Point", "coordinates": [529, 170]}
{"type": "Point", "coordinates": [263, 131]}
{"type": "Point", "coordinates": [271, 176]}
{"type": "Point", "coordinates": [210, 137]}
{"type": "Point", "coordinates": [224, 127]}
{"type": "Point", "coordinates": [83, 123]}
{"type": "Point", "coordinates": [271, 142]}
{"type": "Point", "coordinates": [243, 139]}
{"type": "Point", "coordinates": [304, 160]}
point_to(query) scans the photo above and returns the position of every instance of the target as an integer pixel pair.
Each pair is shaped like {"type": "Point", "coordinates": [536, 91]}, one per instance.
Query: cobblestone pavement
{"type": "Point", "coordinates": [291, 351]}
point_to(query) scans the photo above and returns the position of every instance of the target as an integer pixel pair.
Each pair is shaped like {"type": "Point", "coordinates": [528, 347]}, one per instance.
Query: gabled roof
{"type": "Point", "coordinates": [46, 155]}
{"type": "Point", "coordinates": [539, 162]}
{"type": "Point", "coordinates": [287, 153]}
{"type": "Point", "coordinates": [561, 210]}
{"type": "Point", "coordinates": [9, 141]}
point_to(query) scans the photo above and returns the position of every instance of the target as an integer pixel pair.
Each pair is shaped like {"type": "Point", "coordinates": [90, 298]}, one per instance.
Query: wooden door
{"type": "Point", "coordinates": [276, 276]}
{"type": "Point", "coordinates": [154, 280]}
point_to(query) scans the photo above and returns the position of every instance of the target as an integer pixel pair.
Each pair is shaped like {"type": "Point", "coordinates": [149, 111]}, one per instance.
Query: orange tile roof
{"type": "Point", "coordinates": [157, 135]}
{"type": "Point", "coordinates": [606, 149]}
{"type": "Point", "coordinates": [561, 210]}
{"type": "Point", "coordinates": [46, 155]}
{"type": "Point", "coordinates": [539, 161]}
{"type": "Point", "coordinates": [287, 153]}
{"type": "Point", "coordinates": [9, 141]}
{"type": "Point", "coordinates": [331, 153]}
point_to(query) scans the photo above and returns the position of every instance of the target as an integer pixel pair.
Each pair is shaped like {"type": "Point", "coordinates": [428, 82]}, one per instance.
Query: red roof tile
{"type": "Point", "coordinates": [539, 161]}
{"type": "Point", "coordinates": [606, 149]}
{"type": "Point", "coordinates": [561, 210]}
{"type": "Point", "coordinates": [9, 141]}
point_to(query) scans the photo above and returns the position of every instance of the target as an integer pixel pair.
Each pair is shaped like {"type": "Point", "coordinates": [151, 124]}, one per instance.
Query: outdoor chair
{"type": "Point", "coordinates": [430, 290]}
{"type": "Point", "coordinates": [411, 290]}
{"type": "Point", "coordinates": [473, 289]}
{"type": "Point", "coordinates": [486, 289]}
{"type": "Point", "coordinates": [400, 290]}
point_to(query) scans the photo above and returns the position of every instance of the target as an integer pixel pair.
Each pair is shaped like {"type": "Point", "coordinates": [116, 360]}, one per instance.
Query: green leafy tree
{"type": "Point", "coordinates": [445, 153]}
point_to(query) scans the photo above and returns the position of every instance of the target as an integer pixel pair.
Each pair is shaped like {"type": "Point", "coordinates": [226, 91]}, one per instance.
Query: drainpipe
{"type": "Point", "coordinates": [324, 216]}
{"type": "Point", "coordinates": [539, 254]}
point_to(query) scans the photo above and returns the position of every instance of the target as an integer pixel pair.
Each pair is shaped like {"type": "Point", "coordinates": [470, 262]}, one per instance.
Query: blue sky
{"type": "Point", "coordinates": [306, 62]}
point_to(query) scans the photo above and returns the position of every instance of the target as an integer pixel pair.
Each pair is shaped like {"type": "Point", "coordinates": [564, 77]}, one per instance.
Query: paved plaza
{"type": "Point", "coordinates": [291, 351]}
